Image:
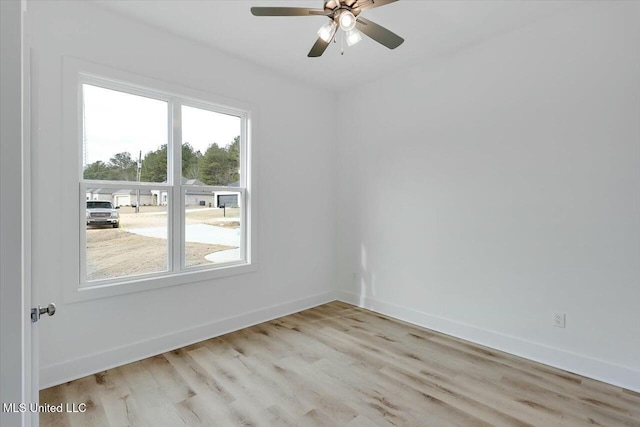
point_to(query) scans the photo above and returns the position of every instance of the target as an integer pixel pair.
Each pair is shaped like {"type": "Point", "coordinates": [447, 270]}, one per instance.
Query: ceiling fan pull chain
{"type": "Point", "coordinates": [341, 44]}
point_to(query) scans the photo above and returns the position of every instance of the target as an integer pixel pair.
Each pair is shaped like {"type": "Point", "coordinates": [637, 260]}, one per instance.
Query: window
{"type": "Point", "coordinates": [163, 186]}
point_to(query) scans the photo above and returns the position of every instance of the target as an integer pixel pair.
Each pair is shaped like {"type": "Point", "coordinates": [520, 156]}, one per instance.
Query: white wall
{"type": "Point", "coordinates": [13, 313]}
{"type": "Point", "coordinates": [296, 262]}
{"type": "Point", "coordinates": [485, 190]}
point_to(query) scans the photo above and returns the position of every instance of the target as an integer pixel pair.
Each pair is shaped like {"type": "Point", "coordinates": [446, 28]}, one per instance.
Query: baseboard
{"type": "Point", "coordinates": [588, 367]}
{"type": "Point", "coordinates": [592, 368]}
{"type": "Point", "coordinates": [87, 365]}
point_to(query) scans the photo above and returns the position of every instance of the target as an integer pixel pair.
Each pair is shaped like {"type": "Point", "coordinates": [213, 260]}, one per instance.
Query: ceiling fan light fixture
{"type": "Point", "coordinates": [344, 15]}
{"type": "Point", "coordinates": [353, 37]}
{"type": "Point", "coordinates": [327, 31]}
{"type": "Point", "coordinates": [347, 21]}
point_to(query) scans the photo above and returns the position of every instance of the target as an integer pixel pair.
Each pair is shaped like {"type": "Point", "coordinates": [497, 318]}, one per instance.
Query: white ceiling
{"type": "Point", "coordinates": [430, 28]}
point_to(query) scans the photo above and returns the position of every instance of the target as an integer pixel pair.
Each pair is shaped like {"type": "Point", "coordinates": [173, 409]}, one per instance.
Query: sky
{"type": "Point", "coordinates": [116, 122]}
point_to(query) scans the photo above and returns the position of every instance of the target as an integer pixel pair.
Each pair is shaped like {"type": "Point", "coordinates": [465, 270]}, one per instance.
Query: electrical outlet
{"type": "Point", "coordinates": [559, 319]}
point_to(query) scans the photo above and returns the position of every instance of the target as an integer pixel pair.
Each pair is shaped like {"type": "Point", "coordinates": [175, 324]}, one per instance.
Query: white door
{"type": "Point", "coordinates": [18, 357]}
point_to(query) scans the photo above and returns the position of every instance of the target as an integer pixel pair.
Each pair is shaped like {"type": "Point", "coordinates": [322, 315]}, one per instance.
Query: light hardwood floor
{"type": "Point", "coordinates": [338, 365]}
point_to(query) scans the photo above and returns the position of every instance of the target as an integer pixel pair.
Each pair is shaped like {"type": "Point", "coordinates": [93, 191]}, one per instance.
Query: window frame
{"type": "Point", "coordinates": [78, 288]}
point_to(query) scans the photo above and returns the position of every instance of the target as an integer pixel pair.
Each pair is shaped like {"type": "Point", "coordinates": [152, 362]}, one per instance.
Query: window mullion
{"type": "Point", "coordinates": [175, 165]}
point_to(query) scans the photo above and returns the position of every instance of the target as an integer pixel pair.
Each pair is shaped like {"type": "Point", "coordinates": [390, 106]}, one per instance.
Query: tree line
{"type": "Point", "coordinates": [217, 166]}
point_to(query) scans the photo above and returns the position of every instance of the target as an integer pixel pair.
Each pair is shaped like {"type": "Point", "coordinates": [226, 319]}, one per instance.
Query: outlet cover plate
{"type": "Point", "coordinates": [559, 319]}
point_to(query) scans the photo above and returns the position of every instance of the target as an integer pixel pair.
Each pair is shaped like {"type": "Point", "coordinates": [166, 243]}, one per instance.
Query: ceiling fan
{"type": "Point", "coordinates": [343, 15]}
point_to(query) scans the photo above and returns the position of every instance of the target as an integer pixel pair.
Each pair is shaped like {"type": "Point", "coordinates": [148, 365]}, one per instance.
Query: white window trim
{"type": "Point", "coordinates": [76, 73]}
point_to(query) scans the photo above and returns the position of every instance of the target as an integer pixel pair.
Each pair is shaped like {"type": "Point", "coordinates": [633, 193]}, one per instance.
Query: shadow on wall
{"type": "Point", "coordinates": [367, 278]}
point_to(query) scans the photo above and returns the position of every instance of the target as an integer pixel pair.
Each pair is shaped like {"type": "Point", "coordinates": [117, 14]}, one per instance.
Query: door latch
{"type": "Point", "coordinates": [39, 311]}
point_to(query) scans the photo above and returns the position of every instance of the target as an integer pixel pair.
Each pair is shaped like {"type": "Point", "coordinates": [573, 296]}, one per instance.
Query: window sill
{"type": "Point", "coordinates": [132, 285]}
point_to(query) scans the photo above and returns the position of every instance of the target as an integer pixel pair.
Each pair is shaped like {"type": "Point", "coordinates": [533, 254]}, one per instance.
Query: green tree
{"type": "Point", "coordinates": [121, 167]}
{"type": "Point", "coordinates": [234, 160]}
{"type": "Point", "coordinates": [211, 166]}
{"type": "Point", "coordinates": [219, 166]}
{"type": "Point", "coordinates": [98, 170]}
{"type": "Point", "coordinates": [190, 161]}
{"type": "Point", "coordinates": [124, 167]}
{"type": "Point", "coordinates": [154, 165]}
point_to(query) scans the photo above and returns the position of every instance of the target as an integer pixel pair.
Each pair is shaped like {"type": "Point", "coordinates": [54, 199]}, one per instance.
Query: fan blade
{"type": "Point", "coordinates": [286, 11]}
{"type": "Point", "coordinates": [370, 4]}
{"type": "Point", "coordinates": [318, 48]}
{"type": "Point", "coordinates": [379, 33]}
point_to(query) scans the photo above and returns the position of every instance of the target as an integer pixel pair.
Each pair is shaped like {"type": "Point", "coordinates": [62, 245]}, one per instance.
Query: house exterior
{"type": "Point", "coordinates": [133, 197]}
{"type": "Point", "coordinates": [193, 197]}
{"type": "Point", "coordinates": [200, 198]}
{"type": "Point", "coordinates": [125, 197]}
{"type": "Point", "coordinates": [197, 197]}
{"type": "Point", "coordinates": [100, 194]}
{"type": "Point", "coordinates": [203, 197]}
{"type": "Point", "coordinates": [228, 198]}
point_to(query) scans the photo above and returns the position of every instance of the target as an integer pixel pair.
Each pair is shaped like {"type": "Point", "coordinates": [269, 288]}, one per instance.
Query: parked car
{"type": "Point", "coordinates": [102, 212]}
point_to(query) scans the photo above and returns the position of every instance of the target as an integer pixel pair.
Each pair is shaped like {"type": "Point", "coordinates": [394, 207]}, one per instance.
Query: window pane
{"type": "Point", "coordinates": [212, 227]}
{"type": "Point", "coordinates": [210, 148]}
{"type": "Point", "coordinates": [123, 240]}
{"type": "Point", "coordinates": [120, 129]}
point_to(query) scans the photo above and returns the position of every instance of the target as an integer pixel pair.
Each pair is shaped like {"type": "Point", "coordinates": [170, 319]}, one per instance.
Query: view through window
{"type": "Point", "coordinates": [129, 188]}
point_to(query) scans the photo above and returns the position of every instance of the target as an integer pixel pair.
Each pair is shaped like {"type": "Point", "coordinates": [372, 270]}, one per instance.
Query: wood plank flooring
{"type": "Point", "coordinates": [338, 365]}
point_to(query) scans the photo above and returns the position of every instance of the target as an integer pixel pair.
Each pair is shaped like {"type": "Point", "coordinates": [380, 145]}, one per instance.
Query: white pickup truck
{"type": "Point", "coordinates": [101, 212]}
